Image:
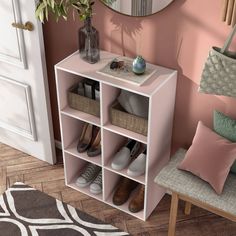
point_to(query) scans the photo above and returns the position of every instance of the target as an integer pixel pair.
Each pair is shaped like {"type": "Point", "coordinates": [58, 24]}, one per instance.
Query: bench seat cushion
{"type": "Point", "coordinates": [187, 184]}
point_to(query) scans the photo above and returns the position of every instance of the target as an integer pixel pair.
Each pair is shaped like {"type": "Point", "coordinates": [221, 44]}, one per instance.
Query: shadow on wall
{"type": "Point", "coordinates": [125, 34]}
{"type": "Point", "coordinates": [176, 43]}
{"type": "Point", "coordinates": [130, 36]}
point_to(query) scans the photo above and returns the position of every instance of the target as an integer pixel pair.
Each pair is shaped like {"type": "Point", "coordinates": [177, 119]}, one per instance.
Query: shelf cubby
{"type": "Point", "coordinates": [70, 79]}
{"type": "Point", "coordinates": [116, 142]}
{"type": "Point", "coordinates": [71, 132]}
{"type": "Point", "coordinates": [111, 180]}
{"type": "Point", "coordinates": [73, 168]}
{"type": "Point", "coordinates": [160, 91]}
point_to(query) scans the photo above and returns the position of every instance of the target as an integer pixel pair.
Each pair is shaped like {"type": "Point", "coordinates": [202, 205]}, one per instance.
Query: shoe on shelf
{"type": "Point", "coordinates": [138, 165]}
{"type": "Point", "coordinates": [123, 191]}
{"type": "Point", "coordinates": [96, 186]}
{"type": "Point", "coordinates": [137, 202]}
{"type": "Point", "coordinates": [97, 91]}
{"type": "Point", "coordinates": [89, 173]}
{"type": "Point", "coordinates": [85, 138]}
{"type": "Point", "coordinates": [125, 155]}
{"type": "Point", "coordinates": [95, 148]}
{"type": "Point", "coordinates": [89, 88]}
{"type": "Point", "coordinates": [80, 88]}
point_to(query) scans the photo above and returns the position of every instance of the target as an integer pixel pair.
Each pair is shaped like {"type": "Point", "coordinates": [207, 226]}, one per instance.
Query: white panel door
{"type": "Point", "coordinates": [25, 115]}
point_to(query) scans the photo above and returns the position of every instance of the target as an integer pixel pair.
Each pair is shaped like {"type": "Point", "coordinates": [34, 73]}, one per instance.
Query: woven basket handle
{"type": "Point", "coordinates": [228, 41]}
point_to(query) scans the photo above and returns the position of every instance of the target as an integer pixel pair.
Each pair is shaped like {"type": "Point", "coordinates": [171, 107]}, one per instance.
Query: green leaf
{"type": "Point", "coordinates": [61, 8]}
{"type": "Point", "coordinates": [39, 11]}
{"type": "Point", "coordinates": [41, 16]}
{"type": "Point", "coordinates": [52, 4]}
{"type": "Point", "coordinates": [46, 13]}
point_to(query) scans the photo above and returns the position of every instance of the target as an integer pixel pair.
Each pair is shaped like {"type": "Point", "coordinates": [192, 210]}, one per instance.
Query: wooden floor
{"type": "Point", "coordinates": [18, 166]}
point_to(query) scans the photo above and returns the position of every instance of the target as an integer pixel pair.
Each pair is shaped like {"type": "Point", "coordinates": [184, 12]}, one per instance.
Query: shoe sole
{"type": "Point", "coordinates": [134, 210]}
{"type": "Point", "coordinates": [83, 185]}
{"type": "Point", "coordinates": [116, 167]}
{"type": "Point", "coordinates": [95, 192]}
{"type": "Point", "coordinates": [134, 174]}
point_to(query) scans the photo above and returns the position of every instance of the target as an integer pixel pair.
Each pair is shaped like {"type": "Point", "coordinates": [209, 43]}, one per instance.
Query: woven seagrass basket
{"type": "Point", "coordinates": [82, 103]}
{"type": "Point", "coordinates": [121, 118]}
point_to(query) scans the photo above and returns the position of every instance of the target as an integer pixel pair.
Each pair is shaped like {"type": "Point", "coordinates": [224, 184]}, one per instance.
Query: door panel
{"type": "Point", "coordinates": [16, 102]}
{"type": "Point", "coordinates": [24, 94]}
{"type": "Point", "coordinates": [12, 50]}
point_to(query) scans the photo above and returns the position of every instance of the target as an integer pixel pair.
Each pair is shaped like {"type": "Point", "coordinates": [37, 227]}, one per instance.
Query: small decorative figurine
{"type": "Point", "coordinates": [139, 65]}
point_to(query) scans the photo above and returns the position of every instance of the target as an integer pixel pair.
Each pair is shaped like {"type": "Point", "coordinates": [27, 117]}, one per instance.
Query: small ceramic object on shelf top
{"type": "Point", "coordinates": [139, 65]}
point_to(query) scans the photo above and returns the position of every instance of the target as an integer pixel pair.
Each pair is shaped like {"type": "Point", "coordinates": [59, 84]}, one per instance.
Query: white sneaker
{"type": "Point", "coordinates": [124, 156]}
{"type": "Point", "coordinates": [138, 166]}
{"type": "Point", "coordinates": [96, 185]}
{"type": "Point", "coordinates": [89, 173]}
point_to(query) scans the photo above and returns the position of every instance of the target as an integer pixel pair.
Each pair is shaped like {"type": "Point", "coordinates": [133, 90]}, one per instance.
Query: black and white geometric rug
{"type": "Point", "coordinates": [25, 211]}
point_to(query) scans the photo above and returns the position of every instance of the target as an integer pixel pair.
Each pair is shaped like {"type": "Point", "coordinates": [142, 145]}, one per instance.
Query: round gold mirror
{"type": "Point", "coordinates": [137, 7]}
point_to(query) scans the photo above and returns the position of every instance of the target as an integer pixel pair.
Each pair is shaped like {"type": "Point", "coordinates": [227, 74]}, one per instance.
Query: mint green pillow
{"type": "Point", "coordinates": [225, 127]}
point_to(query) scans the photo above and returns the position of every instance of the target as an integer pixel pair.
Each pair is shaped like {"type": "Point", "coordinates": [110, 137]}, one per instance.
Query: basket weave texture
{"type": "Point", "coordinates": [82, 103]}
{"type": "Point", "coordinates": [121, 118]}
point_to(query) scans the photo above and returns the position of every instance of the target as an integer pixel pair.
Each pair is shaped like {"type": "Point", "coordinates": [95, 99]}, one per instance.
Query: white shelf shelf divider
{"type": "Point", "coordinates": [160, 89]}
{"type": "Point", "coordinates": [81, 116]}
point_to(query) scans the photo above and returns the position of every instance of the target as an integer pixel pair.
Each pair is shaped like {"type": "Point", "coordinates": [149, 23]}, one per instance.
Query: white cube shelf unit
{"type": "Point", "coordinates": [160, 89]}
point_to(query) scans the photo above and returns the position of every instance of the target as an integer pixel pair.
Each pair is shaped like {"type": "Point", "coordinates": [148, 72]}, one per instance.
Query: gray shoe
{"type": "Point", "coordinates": [89, 173]}
{"type": "Point", "coordinates": [96, 185]}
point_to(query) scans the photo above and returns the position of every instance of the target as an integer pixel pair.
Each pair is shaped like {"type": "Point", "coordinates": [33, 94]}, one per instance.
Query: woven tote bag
{"type": "Point", "coordinates": [219, 73]}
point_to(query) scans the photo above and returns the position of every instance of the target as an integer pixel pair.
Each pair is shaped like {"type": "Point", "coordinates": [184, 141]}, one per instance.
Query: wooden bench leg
{"type": "Point", "coordinates": [173, 214]}
{"type": "Point", "coordinates": [187, 209]}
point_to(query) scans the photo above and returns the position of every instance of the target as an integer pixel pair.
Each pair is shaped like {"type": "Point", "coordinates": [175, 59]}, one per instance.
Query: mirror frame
{"type": "Point", "coordinates": [103, 3]}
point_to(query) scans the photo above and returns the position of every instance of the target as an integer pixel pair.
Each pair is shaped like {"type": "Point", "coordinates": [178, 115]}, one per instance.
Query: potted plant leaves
{"type": "Point", "coordinates": [88, 36]}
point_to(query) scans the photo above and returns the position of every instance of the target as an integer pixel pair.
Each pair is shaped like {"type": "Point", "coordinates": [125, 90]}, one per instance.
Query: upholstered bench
{"type": "Point", "coordinates": [185, 186]}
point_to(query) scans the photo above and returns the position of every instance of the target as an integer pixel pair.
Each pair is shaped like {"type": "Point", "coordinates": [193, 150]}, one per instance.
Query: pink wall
{"type": "Point", "coordinates": [178, 37]}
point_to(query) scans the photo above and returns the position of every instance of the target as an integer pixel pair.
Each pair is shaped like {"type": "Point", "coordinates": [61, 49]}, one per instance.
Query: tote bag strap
{"type": "Point", "coordinates": [228, 40]}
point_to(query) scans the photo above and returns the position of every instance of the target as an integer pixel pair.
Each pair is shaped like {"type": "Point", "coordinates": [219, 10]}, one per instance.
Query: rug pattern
{"type": "Point", "coordinates": [25, 211]}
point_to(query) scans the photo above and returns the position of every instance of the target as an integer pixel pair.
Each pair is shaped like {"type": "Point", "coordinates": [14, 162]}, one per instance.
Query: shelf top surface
{"type": "Point", "coordinates": [75, 65]}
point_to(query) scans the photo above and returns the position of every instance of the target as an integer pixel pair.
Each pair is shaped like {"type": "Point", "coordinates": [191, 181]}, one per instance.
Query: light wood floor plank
{"type": "Point", "coordinates": [44, 176]}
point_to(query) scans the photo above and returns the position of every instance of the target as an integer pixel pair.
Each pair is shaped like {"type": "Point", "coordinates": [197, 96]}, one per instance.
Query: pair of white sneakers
{"type": "Point", "coordinates": [91, 175]}
{"type": "Point", "coordinates": [124, 156]}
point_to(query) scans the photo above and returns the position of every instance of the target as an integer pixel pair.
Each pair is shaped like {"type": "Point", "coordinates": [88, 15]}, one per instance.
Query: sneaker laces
{"type": "Point", "coordinates": [98, 179]}
{"type": "Point", "coordinates": [90, 171]}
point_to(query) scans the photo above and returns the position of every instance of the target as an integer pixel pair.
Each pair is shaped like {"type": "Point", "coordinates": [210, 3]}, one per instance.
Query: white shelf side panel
{"type": "Point", "coordinates": [159, 141]}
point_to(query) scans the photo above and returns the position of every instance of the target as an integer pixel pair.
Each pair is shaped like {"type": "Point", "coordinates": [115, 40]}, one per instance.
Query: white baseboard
{"type": "Point", "coordinates": [58, 144]}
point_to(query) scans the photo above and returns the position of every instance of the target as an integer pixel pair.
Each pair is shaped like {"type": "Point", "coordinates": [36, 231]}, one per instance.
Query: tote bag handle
{"type": "Point", "coordinates": [228, 41]}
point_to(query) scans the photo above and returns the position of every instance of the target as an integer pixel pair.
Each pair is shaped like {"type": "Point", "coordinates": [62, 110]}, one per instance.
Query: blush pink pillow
{"type": "Point", "coordinates": [210, 157]}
